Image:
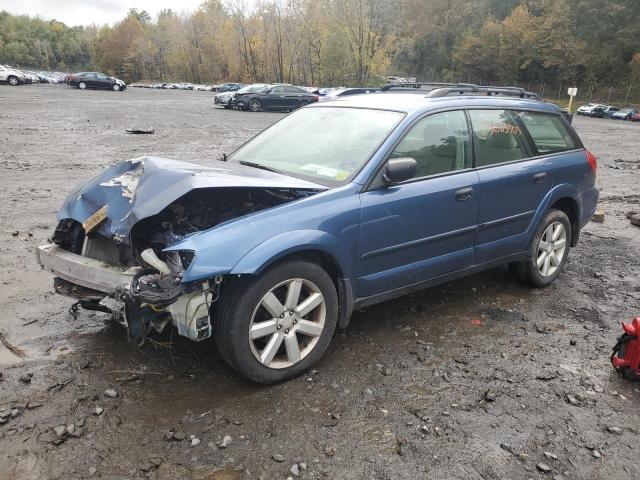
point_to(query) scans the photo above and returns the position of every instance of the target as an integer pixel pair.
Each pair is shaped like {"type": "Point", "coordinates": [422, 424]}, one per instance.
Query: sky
{"type": "Point", "coordinates": [86, 12]}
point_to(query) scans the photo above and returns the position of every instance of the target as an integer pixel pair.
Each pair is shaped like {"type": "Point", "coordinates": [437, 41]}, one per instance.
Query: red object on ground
{"type": "Point", "coordinates": [626, 353]}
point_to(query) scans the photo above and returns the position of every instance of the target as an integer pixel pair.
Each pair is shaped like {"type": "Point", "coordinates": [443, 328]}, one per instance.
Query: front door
{"type": "Point", "coordinates": [425, 227]}
{"type": "Point", "coordinates": [102, 81]}
{"type": "Point", "coordinates": [275, 99]}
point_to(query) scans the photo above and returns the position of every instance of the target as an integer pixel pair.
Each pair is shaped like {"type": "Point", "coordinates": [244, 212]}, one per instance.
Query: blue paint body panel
{"type": "Point", "coordinates": [381, 238]}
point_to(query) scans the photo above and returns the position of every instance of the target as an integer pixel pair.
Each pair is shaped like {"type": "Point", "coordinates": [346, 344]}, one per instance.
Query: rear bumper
{"type": "Point", "coordinates": [589, 199]}
{"type": "Point", "coordinates": [84, 271]}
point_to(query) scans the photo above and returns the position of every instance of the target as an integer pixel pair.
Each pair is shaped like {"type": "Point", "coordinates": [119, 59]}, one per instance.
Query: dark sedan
{"type": "Point", "coordinates": [274, 97]}
{"type": "Point", "coordinates": [97, 80]}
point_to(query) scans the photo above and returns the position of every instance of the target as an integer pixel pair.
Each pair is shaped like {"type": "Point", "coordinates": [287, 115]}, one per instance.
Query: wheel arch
{"type": "Point", "coordinates": [562, 197]}
{"type": "Point", "coordinates": [319, 247]}
{"type": "Point", "coordinates": [569, 206]}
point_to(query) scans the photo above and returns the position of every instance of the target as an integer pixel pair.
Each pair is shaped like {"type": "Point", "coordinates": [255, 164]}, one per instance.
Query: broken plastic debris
{"type": "Point", "coordinates": [139, 131]}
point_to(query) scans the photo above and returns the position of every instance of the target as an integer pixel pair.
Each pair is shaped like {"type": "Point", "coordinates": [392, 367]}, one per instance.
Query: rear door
{"type": "Point", "coordinates": [293, 96]}
{"type": "Point", "coordinates": [516, 173]}
{"type": "Point", "coordinates": [90, 80]}
{"type": "Point", "coordinates": [425, 227]}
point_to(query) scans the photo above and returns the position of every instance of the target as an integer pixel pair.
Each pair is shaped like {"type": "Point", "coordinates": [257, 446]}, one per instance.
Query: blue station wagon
{"type": "Point", "coordinates": [339, 205]}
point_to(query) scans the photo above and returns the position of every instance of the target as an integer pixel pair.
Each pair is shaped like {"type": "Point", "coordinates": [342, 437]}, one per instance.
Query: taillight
{"type": "Point", "coordinates": [317, 98]}
{"type": "Point", "coordinates": [591, 159]}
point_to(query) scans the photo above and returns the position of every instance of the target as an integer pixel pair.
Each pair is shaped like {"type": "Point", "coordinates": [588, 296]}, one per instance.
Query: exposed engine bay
{"type": "Point", "coordinates": [155, 295]}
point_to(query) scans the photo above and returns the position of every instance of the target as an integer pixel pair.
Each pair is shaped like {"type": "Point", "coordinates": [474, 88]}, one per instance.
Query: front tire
{"type": "Point", "coordinates": [82, 85]}
{"type": "Point", "coordinates": [273, 327]}
{"type": "Point", "coordinates": [548, 252]}
{"type": "Point", "coordinates": [116, 87]}
{"type": "Point", "coordinates": [13, 81]}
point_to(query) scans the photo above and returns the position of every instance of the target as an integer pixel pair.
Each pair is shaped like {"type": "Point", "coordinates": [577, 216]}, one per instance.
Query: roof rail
{"type": "Point", "coordinates": [461, 89]}
{"type": "Point", "coordinates": [417, 85]}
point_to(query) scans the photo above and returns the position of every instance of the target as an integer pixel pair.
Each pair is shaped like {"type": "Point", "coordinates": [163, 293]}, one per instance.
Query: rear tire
{"type": "Point", "coordinates": [265, 345]}
{"type": "Point", "coordinates": [548, 252]}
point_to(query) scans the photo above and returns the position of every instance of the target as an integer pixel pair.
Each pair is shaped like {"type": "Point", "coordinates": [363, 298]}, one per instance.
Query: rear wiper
{"type": "Point", "coordinates": [257, 165]}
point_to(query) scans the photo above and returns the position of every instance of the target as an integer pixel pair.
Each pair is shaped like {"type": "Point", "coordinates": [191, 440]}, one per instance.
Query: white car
{"type": "Point", "coordinates": [588, 108]}
{"type": "Point", "coordinates": [11, 75]}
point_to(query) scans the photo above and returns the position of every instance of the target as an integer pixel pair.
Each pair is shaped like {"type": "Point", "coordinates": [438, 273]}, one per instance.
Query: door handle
{"type": "Point", "coordinates": [539, 177]}
{"type": "Point", "coordinates": [464, 194]}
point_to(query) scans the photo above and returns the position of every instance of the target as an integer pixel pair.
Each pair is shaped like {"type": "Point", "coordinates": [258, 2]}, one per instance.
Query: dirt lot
{"type": "Point", "coordinates": [479, 378]}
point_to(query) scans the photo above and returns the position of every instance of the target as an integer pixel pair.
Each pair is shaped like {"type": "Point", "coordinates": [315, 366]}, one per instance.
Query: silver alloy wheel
{"type": "Point", "coordinates": [298, 323]}
{"type": "Point", "coordinates": [551, 249]}
{"type": "Point", "coordinates": [13, 81]}
{"type": "Point", "coordinates": [116, 87]}
{"type": "Point", "coordinates": [254, 105]}
{"type": "Point", "coordinates": [82, 85]}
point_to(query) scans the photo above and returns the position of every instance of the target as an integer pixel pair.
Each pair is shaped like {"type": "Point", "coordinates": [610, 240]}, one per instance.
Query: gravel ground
{"type": "Point", "coordinates": [478, 378]}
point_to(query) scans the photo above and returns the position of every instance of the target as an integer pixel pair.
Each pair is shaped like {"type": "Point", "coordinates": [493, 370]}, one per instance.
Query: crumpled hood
{"type": "Point", "coordinates": [139, 188]}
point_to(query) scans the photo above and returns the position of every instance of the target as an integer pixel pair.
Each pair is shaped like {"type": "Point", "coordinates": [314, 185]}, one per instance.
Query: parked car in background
{"type": "Point", "coordinates": [12, 76]}
{"type": "Point", "coordinates": [275, 97]}
{"type": "Point", "coordinates": [609, 110]}
{"type": "Point", "coordinates": [95, 80]}
{"type": "Point", "coordinates": [343, 92]}
{"type": "Point", "coordinates": [335, 207]}
{"type": "Point", "coordinates": [587, 108]}
{"type": "Point", "coordinates": [624, 114]}
{"type": "Point", "coordinates": [325, 91]}
{"type": "Point", "coordinates": [224, 99]}
{"type": "Point", "coordinates": [228, 87]}
{"type": "Point", "coordinates": [602, 111]}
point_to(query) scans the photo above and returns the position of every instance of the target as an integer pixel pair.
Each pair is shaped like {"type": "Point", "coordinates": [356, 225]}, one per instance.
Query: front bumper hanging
{"type": "Point", "coordinates": [187, 308]}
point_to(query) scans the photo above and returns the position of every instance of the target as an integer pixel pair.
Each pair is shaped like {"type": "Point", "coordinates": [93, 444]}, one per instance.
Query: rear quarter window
{"type": "Point", "coordinates": [548, 132]}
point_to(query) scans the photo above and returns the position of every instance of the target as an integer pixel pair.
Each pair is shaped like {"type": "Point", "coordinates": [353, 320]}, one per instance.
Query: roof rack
{"type": "Point", "coordinates": [444, 89]}
{"type": "Point", "coordinates": [462, 88]}
{"type": "Point", "coordinates": [417, 85]}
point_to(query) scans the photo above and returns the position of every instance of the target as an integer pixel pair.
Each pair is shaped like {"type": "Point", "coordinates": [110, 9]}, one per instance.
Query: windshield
{"type": "Point", "coordinates": [325, 145]}
{"type": "Point", "coordinates": [627, 110]}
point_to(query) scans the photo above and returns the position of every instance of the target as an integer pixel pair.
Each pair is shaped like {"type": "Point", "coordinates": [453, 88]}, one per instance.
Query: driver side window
{"type": "Point", "coordinates": [277, 91]}
{"type": "Point", "coordinates": [439, 144]}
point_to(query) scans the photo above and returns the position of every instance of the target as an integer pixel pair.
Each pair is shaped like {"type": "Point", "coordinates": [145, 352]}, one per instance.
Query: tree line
{"type": "Point", "coordinates": [347, 42]}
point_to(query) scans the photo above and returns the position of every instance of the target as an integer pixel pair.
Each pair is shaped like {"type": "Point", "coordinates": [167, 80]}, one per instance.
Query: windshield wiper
{"type": "Point", "coordinates": [257, 165]}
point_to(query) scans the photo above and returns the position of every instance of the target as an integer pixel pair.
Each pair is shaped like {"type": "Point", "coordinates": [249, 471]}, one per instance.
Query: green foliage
{"type": "Point", "coordinates": [347, 42]}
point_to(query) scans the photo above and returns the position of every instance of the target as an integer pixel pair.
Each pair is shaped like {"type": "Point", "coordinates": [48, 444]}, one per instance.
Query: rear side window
{"type": "Point", "coordinates": [548, 132]}
{"type": "Point", "coordinates": [294, 90]}
{"type": "Point", "coordinates": [498, 137]}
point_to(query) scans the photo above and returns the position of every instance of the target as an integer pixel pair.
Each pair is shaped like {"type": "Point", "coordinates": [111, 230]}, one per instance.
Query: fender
{"type": "Point", "coordinates": [271, 250]}
{"type": "Point", "coordinates": [558, 192]}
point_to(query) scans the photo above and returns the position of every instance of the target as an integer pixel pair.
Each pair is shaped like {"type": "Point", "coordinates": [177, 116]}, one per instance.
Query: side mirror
{"type": "Point", "coordinates": [399, 170]}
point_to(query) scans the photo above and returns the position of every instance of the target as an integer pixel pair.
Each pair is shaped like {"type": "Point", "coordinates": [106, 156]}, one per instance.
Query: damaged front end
{"type": "Point", "coordinates": [112, 249]}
